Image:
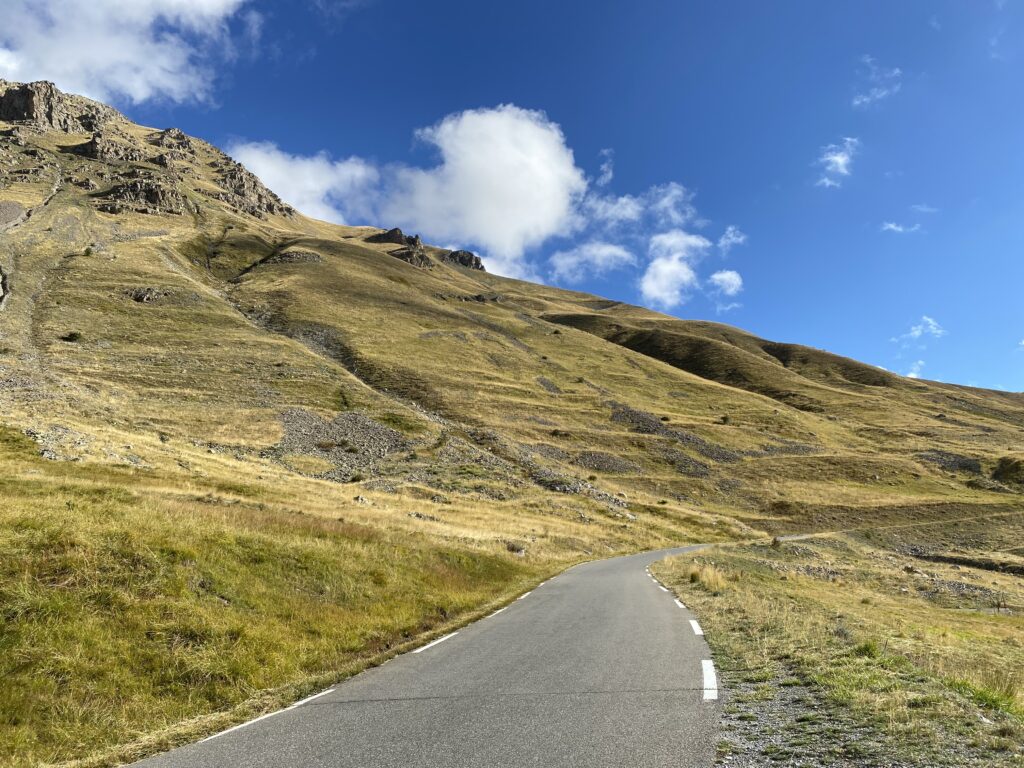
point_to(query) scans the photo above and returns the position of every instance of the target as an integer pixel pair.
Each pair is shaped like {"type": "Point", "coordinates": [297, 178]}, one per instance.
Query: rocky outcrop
{"type": "Point", "coordinates": [174, 138]}
{"type": "Point", "coordinates": [145, 195]}
{"type": "Point", "coordinates": [394, 236]}
{"type": "Point", "coordinates": [41, 104]}
{"type": "Point", "coordinates": [414, 254]}
{"type": "Point", "coordinates": [105, 148]}
{"type": "Point", "coordinates": [243, 191]}
{"type": "Point", "coordinates": [462, 258]}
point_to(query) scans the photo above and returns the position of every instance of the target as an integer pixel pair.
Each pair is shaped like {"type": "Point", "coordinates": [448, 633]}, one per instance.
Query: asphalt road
{"type": "Point", "coordinates": [599, 666]}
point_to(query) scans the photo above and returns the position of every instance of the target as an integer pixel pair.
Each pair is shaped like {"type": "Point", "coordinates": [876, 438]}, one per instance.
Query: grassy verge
{"type": "Point", "coordinates": [926, 657]}
{"type": "Point", "coordinates": [127, 612]}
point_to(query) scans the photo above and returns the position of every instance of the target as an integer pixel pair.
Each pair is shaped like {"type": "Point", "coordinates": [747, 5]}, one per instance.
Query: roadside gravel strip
{"type": "Point", "coordinates": [594, 667]}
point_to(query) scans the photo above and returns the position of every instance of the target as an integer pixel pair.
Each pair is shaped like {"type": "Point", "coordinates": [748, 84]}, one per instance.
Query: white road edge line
{"type": "Point", "coordinates": [663, 589]}
{"type": "Point", "coordinates": [696, 627]}
{"type": "Point", "coordinates": [310, 698]}
{"type": "Point", "coordinates": [435, 642]}
{"type": "Point", "coordinates": [525, 595]}
{"type": "Point", "coordinates": [243, 725]}
{"type": "Point", "coordinates": [497, 611]}
{"type": "Point", "coordinates": [710, 680]}
{"type": "Point", "coordinates": [680, 605]}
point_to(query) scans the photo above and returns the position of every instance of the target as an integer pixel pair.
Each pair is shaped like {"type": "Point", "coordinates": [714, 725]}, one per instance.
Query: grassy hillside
{"type": "Point", "coordinates": [249, 451]}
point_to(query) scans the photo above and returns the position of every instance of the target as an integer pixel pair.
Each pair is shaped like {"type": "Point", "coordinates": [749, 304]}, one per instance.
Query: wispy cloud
{"type": "Point", "coordinates": [731, 237]}
{"type": "Point", "coordinates": [915, 369]}
{"type": "Point", "coordinates": [836, 161]}
{"type": "Point", "coordinates": [593, 259]}
{"type": "Point", "coordinates": [927, 328]}
{"type": "Point", "coordinates": [901, 229]}
{"type": "Point", "coordinates": [877, 83]}
{"type": "Point", "coordinates": [924, 208]}
{"type": "Point", "coordinates": [607, 167]}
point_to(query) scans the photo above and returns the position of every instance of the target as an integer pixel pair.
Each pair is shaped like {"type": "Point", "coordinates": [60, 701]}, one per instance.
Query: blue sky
{"type": "Point", "coordinates": [847, 175]}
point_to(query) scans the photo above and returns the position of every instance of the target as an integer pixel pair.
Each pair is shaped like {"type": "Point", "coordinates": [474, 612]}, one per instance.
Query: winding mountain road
{"type": "Point", "coordinates": [600, 666]}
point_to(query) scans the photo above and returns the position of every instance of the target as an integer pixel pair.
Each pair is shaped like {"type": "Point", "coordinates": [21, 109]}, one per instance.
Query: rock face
{"type": "Point", "coordinates": [463, 259]}
{"type": "Point", "coordinates": [414, 254]}
{"type": "Point", "coordinates": [395, 236]}
{"type": "Point", "coordinates": [103, 147]}
{"type": "Point", "coordinates": [246, 193]}
{"type": "Point", "coordinates": [145, 196]}
{"type": "Point", "coordinates": [41, 104]}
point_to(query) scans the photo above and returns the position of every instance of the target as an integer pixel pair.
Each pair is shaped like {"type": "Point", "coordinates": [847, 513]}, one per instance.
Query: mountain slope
{"type": "Point", "coordinates": [173, 337]}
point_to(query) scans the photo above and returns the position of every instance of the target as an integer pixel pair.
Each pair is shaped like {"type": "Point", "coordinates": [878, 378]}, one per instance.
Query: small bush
{"type": "Point", "coordinates": [71, 337]}
{"type": "Point", "coordinates": [356, 478]}
{"type": "Point", "coordinates": [707, 576]}
{"type": "Point", "coordinates": [867, 650]}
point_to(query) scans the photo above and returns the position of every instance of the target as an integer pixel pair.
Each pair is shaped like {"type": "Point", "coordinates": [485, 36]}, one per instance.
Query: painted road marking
{"type": "Point", "coordinates": [696, 627]}
{"type": "Point", "coordinates": [710, 680]}
{"type": "Point", "coordinates": [680, 605]}
{"type": "Point", "coordinates": [663, 589]}
{"type": "Point", "coordinates": [310, 698]}
{"type": "Point", "coordinates": [498, 611]}
{"type": "Point", "coordinates": [431, 645]}
{"type": "Point", "coordinates": [526, 595]}
{"type": "Point", "coordinates": [244, 725]}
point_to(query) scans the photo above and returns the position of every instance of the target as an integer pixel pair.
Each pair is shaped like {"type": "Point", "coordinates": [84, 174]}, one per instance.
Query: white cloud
{"type": "Point", "coordinates": [589, 260]}
{"type": "Point", "coordinates": [112, 50]}
{"type": "Point", "coordinates": [727, 282]}
{"type": "Point", "coordinates": [332, 190]}
{"type": "Point", "coordinates": [607, 167]}
{"type": "Point", "coordinates": [915, 369]}
{"type": "Point", "coordinates": [732, 236]}
{"type": "Point", "coordinates": [924, 208]}
{"type": "Point", "coordinates": [672, 205]}
{"type": "Point", "coordinates": [900, 229]}
{"type": "Point", "coordinates": [878, 82]}
{"type": "Point", "coordinates": [928, 328]}
{"type": "Point", "coordinates": [506, 182]}
{"type": "Point", "coordinates": [613, 210]}
{"type": "Point", "coordinates": [670, 277]}
{"type": "Point", "coordinates": [837, 161]}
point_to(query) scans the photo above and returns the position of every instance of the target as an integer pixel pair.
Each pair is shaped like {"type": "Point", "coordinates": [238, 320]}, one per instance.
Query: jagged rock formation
{"type": "Point", "coordinates": [41, 104]}
{"type": "Point", "coordinates": [394, 236]}
{"type": "Point", "coordinates": [105, 148]}
{"type": "Point", "coordinates": [145, 195]}
{"type": "Point", "coordinates": [462, 258]}
{"type": "Point", "coordinates": [246, 193]}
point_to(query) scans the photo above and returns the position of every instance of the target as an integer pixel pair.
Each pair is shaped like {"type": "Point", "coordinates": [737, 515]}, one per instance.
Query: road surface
{"type": "Point", "coordinates": [600, 666]}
